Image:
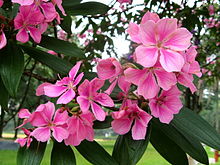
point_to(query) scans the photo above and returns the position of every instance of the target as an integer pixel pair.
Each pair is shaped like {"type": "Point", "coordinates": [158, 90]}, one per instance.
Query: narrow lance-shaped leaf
{"type": "Point", "coordinates": [57, 64]}
{"type": "Point", "coordinates": [11, 67]}
{"type": "Point", "coordinates": [186, 142]}
{"type": "Point", "coordinates": [87, 8]}
{"type": "Point", "coordinates": [62, 47]}
{"type": "Point", "coordinates": [4, 95]}
{"type": "Point", "coordinates": [103, 124]}
{"type": "Point", "coordinates": [32, 155]}
{"type": "Point", "coordinates": [167, 147]}
{"type": "Point", "coordinates": [128, 151]}
{"type": "Point", "coordinates": [191, 123]}
{"type": "Point", "coordinates": [95, 153]}
{"type": "Point", "coordinates": [62, 155]}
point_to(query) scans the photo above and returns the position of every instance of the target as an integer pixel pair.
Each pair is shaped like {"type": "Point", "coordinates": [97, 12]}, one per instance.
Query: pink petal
{"type": "Point", "coordinates": [54, 90]}
{"type": "Point", "coordinates": [49, 11]}
{"type": "Point", "coordinates": [22, 36]}
{"type": "Point", "coordinates": [3, 40]}
{"type": "Point", "coordinates": [179, 40]}
{"type": "Point", "coordinates": [21, 141]}
{"type": "Point", "coordinates": [138, 131]}
{"type": "Point", "coordinates": [134, 75]}
{"type": "Point", "coordinates": [147, 33]}
{"type": "Point", "coordinates": [96, 84]}
{"type": "Point", "coordinates": [59, 133]}
{"type": "Point", "coordinates": [49, 110]}
{"type": "Point", "coordinates": [23, 2]}
{"type": "Point", "coordinates": [83, 103]}
{"type": "Point", "coordinates": [104, 100]}
{"type": "Point", "coordinates": [35, 34]}
{"type": "Point", "coordinates": [121, 126]}
{"type": "Point", "coordinates": [195, 69]}
{"type": "Point", "coordinates": [165, 115]}
{"type": "Point", "coordinates": [148, 87]}
{"type": "Point", "coordinates": [40, 89]}
{"type": "Point", "coordinates": [165, 27]}
{"type": "Point", "coordinates": [133, 31]}
{"type": "Point", "coordinates": [165, 79]}
{"type": "Point", "coordinates": [150, 16]}
{"type": "Point", "coordinates": [24, 114]}
{"type": "Point", "coordinates": [171, 61]}
{"type": "Point", "coordinates": [60, 117]}
{"type": "Point", "coordinates": [84, 88]}
{"type": "Point", "coordinates": [66, 97]}
{"type": "Point", "coordinates": [38, 120]}
{"type": "Point", "coordinates": [98, 112]}
{"type": "Point", "coordinates": [72, 140]}
{"type": "Point", "coordinates": [59, 5]}
{"type": "Point", "coordinates": [187, 80]}
{"type": "Point", "coordinates": [74, 70]}
{"type": "Point", "coordinates": [146, 56]}
{"type": "Point", "coordinates": [41, 134]}
{"type": "Point", "coordinates": [78, 79]}
{"type": "Point", "coordinates": [111, 87]}
{"type": "Point", "coordinates": [123, 84]}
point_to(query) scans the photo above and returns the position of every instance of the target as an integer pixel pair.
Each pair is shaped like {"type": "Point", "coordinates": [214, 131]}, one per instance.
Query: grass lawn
{"type": "Point", "coordinates": [151, 157]}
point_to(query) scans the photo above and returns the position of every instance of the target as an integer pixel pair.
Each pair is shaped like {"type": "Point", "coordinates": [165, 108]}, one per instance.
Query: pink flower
{"type": "Point", "coordinates": [211, 10]}
{"type": "Point", "coordinates": [52, 52]}
{"type": "Point", "coordinates": [3, 40]}
{"type": "Point", "coordinates": [46, 120]}
{"type": "Point", "coordinates": [89, 97]}
{"type": "Point", "coordinates": [150, 80]}
{"type": "Point", "coordinates": [124, 1]}
{"type": "Point", "coordinates": [65, 87]}
{"type": "Point", "coordinates": [1, 3]}
{"type": "Point", "coordinates": [27, 140]}
{"type": "Point", "coordinates": [59, 5]}
{"type": "Point", "coordinates": [24, 114]}
{"type": "Point", "coordinates": [27, 21]}
{"type": "Point", "coordinates": [111, 69]}
{"type": "Point", "coordinates": [131, 116]}
{"type": "Point", "coordinates": [166, 105]}
{"type": "Point", "coordinates": [80, 128]}
{"type": "Point", "coordinates": [162, 41]}
{"type": "Point", "coordinates": [23, 2]}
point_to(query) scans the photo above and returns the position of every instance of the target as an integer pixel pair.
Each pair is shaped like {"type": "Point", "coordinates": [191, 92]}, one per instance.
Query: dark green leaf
{"type": "Point", "coordinates": [186, 142]}
{"type": "Point", "coordinates": [62, 155]}
{"type": "Point", "coordinates": [11, 67]}
{"type": "Point", "coordinates": [188, 122]}
{"type": "Point", "coordinates": [32, 155]}
{"type": "Point", "coordinates": [103, 124]}
{"type": "Point", "coordinates": [57, 64]}
{"type": "Point", "coordinates": [68, 3]}
{"type": "Point", "coordinates": [66, 24]}
{"type": "Point", "coordinates": [128, 151]}
{"type": "Point", "coordinates": [62, 47]}
{"type": "Point", "coordinates": [167, 147]}
{"type": "Point", "coordinates": [95, 154]}
{"type": "Point", "coordinates": [4, 95]}
{"type": "Point", "coordinates": [87, 8]}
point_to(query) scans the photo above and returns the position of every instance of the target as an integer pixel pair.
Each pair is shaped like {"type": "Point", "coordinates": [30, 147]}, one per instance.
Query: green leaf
{"type": "Point", "coordinates": [87, 8]}
{"type": "Point", "coordinates": [186, 142]}
{"type": "Point", "coordinates": [62, 47]}
{"type": "Point", "coordinates": [57, 64]}
{"type": "Point", "coordinates": [103, 124]}
{"type": "Point", "coordinates": [11, 67]}
{"type": "Point", "coordinates": [66, 24]}
{"type": "Point", "coordinates": [95, 153]}
{"type": "Point", "coordinates": [188, 122]}
{"type": "Point", "coordinates": [67, 3]}
{"type": "Point", "coordinates": [4, 95]}
{"type": "Point", "coordinates": [62, 155]}
{"type": "Point", "coordinates": [32, 155]}
{"type": "Point", "coordinates": [167, 147]}
{"type": "Point", "coordinates": [128, 151]}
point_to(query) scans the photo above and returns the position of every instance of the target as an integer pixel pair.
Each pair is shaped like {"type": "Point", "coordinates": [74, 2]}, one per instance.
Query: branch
{"type": "Point", "coordinates": [38, 77]}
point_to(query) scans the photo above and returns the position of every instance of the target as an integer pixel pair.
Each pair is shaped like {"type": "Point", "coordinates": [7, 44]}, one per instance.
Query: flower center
{"type": "Point", "coordinates": [159, 44]}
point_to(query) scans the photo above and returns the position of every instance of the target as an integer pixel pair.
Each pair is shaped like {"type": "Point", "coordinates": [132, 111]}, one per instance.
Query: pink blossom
{"type": "Point", "coordinates": [46, 120]}
{"type": "Point", "coordinates": [62, 35]}
{"type": "Point", "coordinates": [166, 105]}
{"type": "Point", "coordinates": [124, 1]}
{"type": "Point", "coordinates": [132, 114]}
{"type": "Point", "coordinates": [59, 5]}
{"type": "Point", "coordinates": [1, 3]}
{"type": "Point", "coordinates": [65, 87]}
{"type": "Point", "coordinates": [52, 52]}
{"type": "Point", "coordinates": [3, 40]}
{"type": "Point", "coordinates": [89, 97]}
{"type": "Point", "coordinates": [27, 140]}
{"type": "Point", "coordinates": [162, 40]}
{"type": "Point", "coordinates": [150, 80]}
{"type": "Point", "coordinates": [24, 114]}
{"type": "Point", "coordinates": [211, 10]}
{"type": "Point", "coordinates": [80, 128]}
{"type": "Point", "coordinates": [40, 89]}
{"type": "Point", "coordinates": [27, 21]}
{"type": "Point", "coordinates": [23, 2]}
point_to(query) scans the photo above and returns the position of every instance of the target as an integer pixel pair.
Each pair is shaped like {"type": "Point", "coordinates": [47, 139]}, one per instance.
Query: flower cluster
{"type": "Point", "coordinates": [33, 18]}
{"type": "Point", "coordinates": [146, 89]}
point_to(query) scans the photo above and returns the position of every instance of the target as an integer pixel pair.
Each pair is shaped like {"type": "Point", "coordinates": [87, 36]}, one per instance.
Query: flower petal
{"type": "Point", "coordinates": [98, 112]}
{"type": "Point", "coordinates": [104, 100]}
{"type": "Point", "coordinates": [66, 97]}
{"type": "Point", "coordinates": [74, 70]}
{"type": "Point", "coordinates": [41, 134]}
{"type": "Point", "coordinates": [54, 90]}
{"type": "Point", "coordinates": [83, 103]}
{"type": "Point", "coordinates": [138, 131]}
{"type": "Point", "coordinates": [121, 126]}
{"type": "Point", "coordinates": [60, 117]}
{"type": "Point", "coordinates": [59, 133]}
